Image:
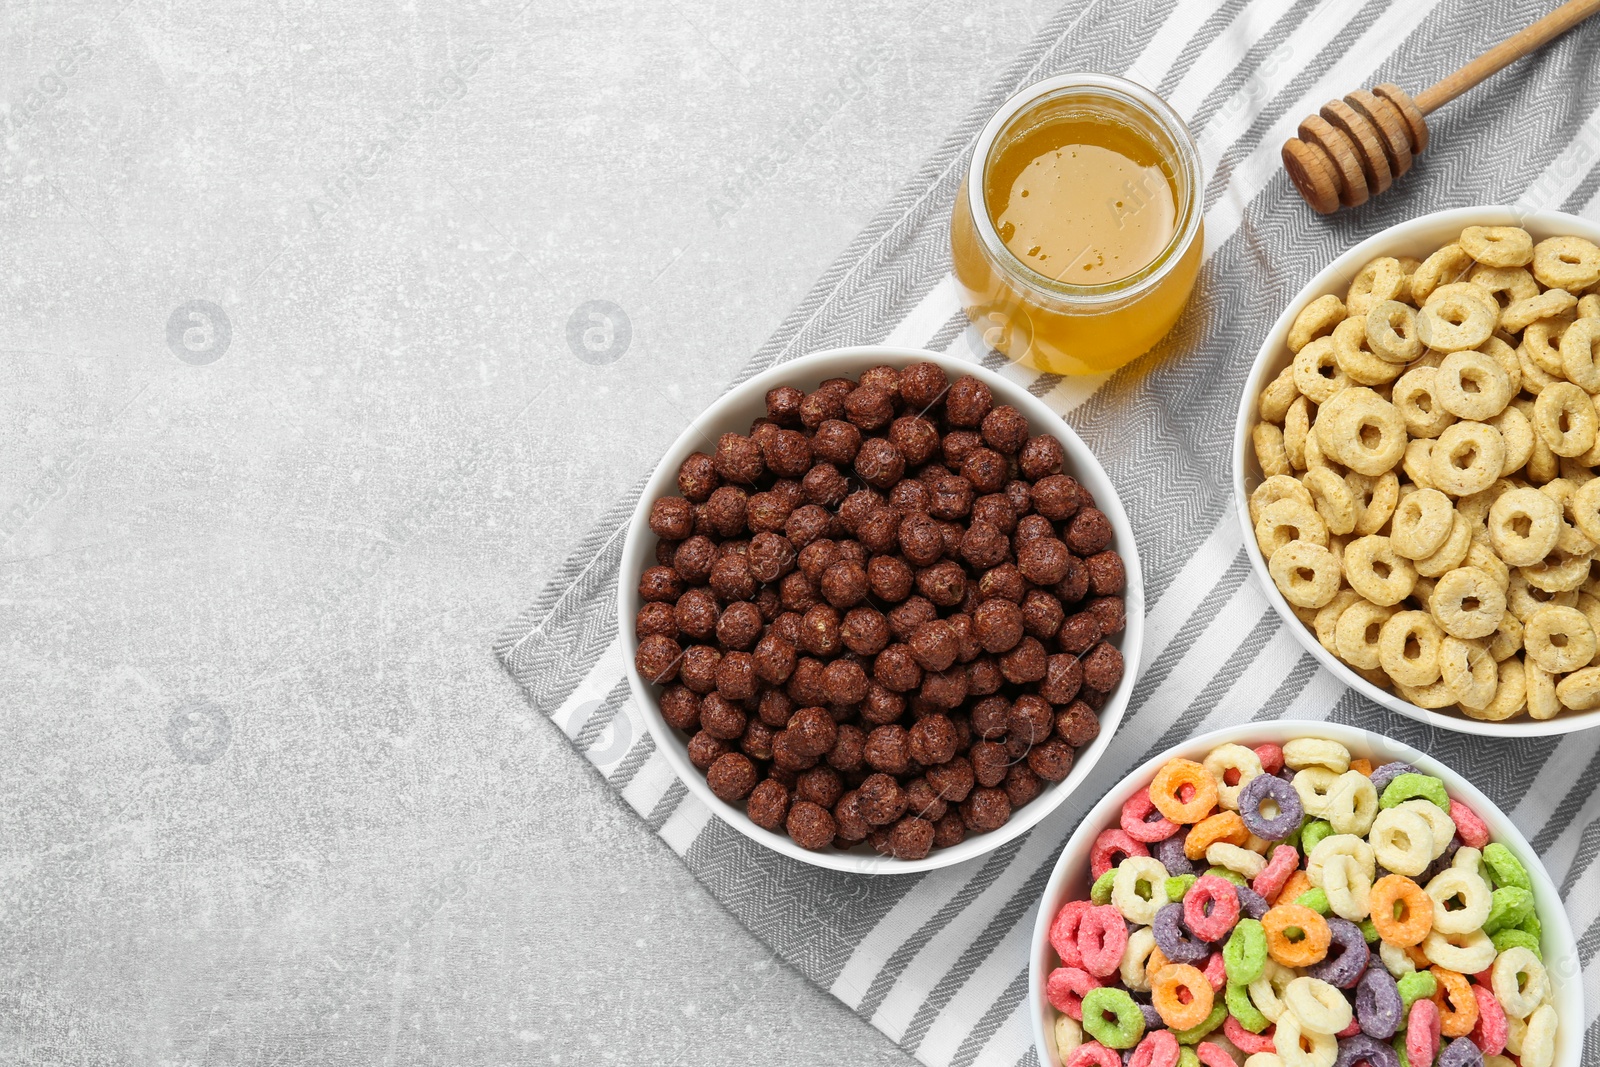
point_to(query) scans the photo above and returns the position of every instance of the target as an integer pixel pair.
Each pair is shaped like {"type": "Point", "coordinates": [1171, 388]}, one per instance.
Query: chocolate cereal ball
{"type": "Point", "coordinates": [738, 459]}
{"type": "Point", "coordinates": [924, 801]}
{"type": "Point", "coordinates": [950, 830]}
{"type": "Point", "coordinates": [864, 631]}
{"type": "Point", "coordinates": [911, 838]}
{"type": "Point", "coordinates": [1042, 614]}
{"type": "Point", "coordinates": [889, 579]}
{"type": "Point", "coordinates": [1077, 724]}
{"type": "Point", "coordinates": [836, 442]}
{"type": "Point", "coordinates": [922, 385]}
{"type": "Point", "coordinates": [732, 777]}
{"type": "Point", "coordinates": [658, 659]}
{"type": "Point", "coordinates": [952, 780]}
{"type": "Point", "coordinates": [1024, 663]}
{"type": "Point", "coordinates": [1005, 429]}
{"type": "Point", "coordinates": [871, 407]}
{"type": "Point", "coordinates": [916, 437]}
{"type": "Point", "coordinates": [945, 583]}
{"type": "Point", "coordinates": [813, 731]}
{"type": "Point", "coordinates": [672, 518]}
{"type": "Point", "coordinates": [1052, 760]}
{"type": "Point", "coordinates": [934, 645]}
{"type": "Point", "coordinates": [1043, 561]}
{"type": "Point", "coordinates": [721, 717]}
{"type": "Point", "coordinates": [655, 618]}
{"type": "Point", "coordinates": [1107, 576]}
{"type": "Point", "coordinates": [921, 540]}
{"type": "Point", "coordinates": [888, 749]}
{"type": "Point", "coordinates": [844, 682]}
{"type": "Point", "coordinates": [1089, 532]}
{"type": "Point", "coordinates": [736, 676]}
{"type": "Point", "coordinates": [660, 583]}
{"type": "Point", "coordinates": [1041, 457]}
{"type": "Point", "coordinates": [786, 453]}
{"type": "Point", "coordinates": [991, 718]}
{"type": "Point", "coordinates": [968, 402]}
{"type": "Point", "coordinates": [1063, 677]}
{"type": "Point", "coordinates": [820, 785]}
{"type": "Point", "coordinates": [824, 486]}
{"type": "Point", "coordinates": [844, 584]}
{"type": "Point", "coordinates": [880, 799]}
{"type": "Point", "coordinates": [984, 676]}
{"type": "Point", "coordinates": [1021, 784]}
{"type": "Point", "coordinates": [848, 753]}
{"type": "Point", "coordinates": [985, 469]}
{"type": "Point", "coordinates": [1031, 718]}
{"type": "Point", "coordinates": [810, 825]}
{"type": "Point", "coordinates": [823, 405]}
{"type": "Point", "coordinates": [986, 809]}
{"type": "Point", "coordinates": [882, 705]}
{"type": "Point", "coordinates": [696, 614]}
{"type": "Point", "coordinates": [1004, 582]}
{"type": "Point", "coordinates": [879, 463]}
{"type": "Point", "coordinates": [906, 617]}
{"type": "Point", "coordinates": [783, 405]}
{"type": "Point", "coordinates": [1102, 668]}
{"type": "Point", "coordinates": [1056, 497]}
{"type": "Point", "coordinates": [998, 625]}
{"type": "Point", "coordinates": [756, 741]}
{"type": "Point", "coordinates": [726, 510]}
{"type": "Point", "coordinates": [989, 762]}
{"type": "Point", "coordinates": [693, 559]}
{"type": "Point", "coordinates": [680, 707]}
{"type": "Point", "coordinates": [984, 545]}
{"type": "Point", "coordinates": [705, 750]}
{"type": "Point", "coordinates": [950, 497]}
{"type": "Point", "coordinates": [697, 477]}
{"type": "Point", "coordinates": [896, 669]}
{"type": "Point", "coordinates": [932, 739]}
{"type": "Point", "coordinates": [996, 510]}
{"type": "Point", "coordinates": [1111, 611]}
{"type": "Point", "coordinates": [1075, 585]}
{"type": "Point", "coordinates": [768, 805]}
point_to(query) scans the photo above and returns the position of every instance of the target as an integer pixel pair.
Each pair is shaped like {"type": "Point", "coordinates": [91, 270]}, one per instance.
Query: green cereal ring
{"type": "Point", "coordinates": [1178, 885]}
{"type": "Point", "coordinates": [1100, 892]}
{"type": "Point", "coordinates": [1316, 900]}
{"type": "Point", "coordinates": [1399, 1046]}
{"type": "Point", "coordinates": [1517, 938]}
{"type": "Point", "coordinates": [1244, 957]}
{"type": "Point", "coordinates": [1244, 1009]}
{"type": "Point", "coordinates": [1505, 868]}
{"type": "Point", "coordinates": [1418, 985]}
{"type": "Point", "coordinates": [1369, 931]}
{"type": "Point", "coordinates": [1508, 907]}
{"type": "Point", "coordinates": [1532, 925]}
{"type": "Point", "coordinates": [1219, 1012]}
{"type": "Point", "coordinates": [1128, 1025]}
{"type": "Point", "coordinates": [1294, 838]}
{"type": "Point", "coordinates": [1187, 1057]}
{"type": "Point", "coordinates": [1231, 876]}
{"type": "Point", "coordinates": [1312, 834]}
{"type": "Point", "coordinates": [1409, 786]}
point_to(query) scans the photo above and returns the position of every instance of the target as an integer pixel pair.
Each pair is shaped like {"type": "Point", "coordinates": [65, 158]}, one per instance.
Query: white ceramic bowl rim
{"type": "Point", "coordinates": [1069, 878]}
{"type": "Point", "coordinates": [723, 416]}
{"type": "Point", "coordinates": [1418, 236]}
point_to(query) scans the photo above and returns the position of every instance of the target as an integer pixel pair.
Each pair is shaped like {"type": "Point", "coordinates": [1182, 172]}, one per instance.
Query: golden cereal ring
{"type": "Point", "coordinates": [1296, 424]}
{"type": "Point", "coordinates": [1375, 500]}
{"type": "Point", "coordinates": [1516, 283]}
{"type": "Point", "coordinates": [1569, 263]}
{"type": "Point", "coordinates": [1377, 281]}
{"type": "Point", "coordinates": [1421, 591]}
{"type": "Point", "coordinates": [1570, 540]}
{"type": "Point", "coordinates": [1565, 419]}
{"type": "Point", "coordinates": [1578, 344]}
{"type": "Point", "coordinates": [1510, 695]}
{"type": "Point", "coordinates": [1316, 459]}
{"type": "Point", "coordinates": [1278, 395]}
{"type": "Point", "coordinates": [1289, 520]}
{"type": "Point", "coordinates": [1542, 463]}
{"type": "Point", "coordinates": [1543, 701]}
{"type": "Point", "coordinates": [1415, 398]}
{"type": "Point", "coordinates": [1534, 377]}
{"type": "Point", "coordinates": [1276, 488]}
{"type": "Point", "coordinates": [1444, 266]}
{"type": "Point", "coordinates": [1408, 648]}
{"type": "Point", "coordinates": [1317, 373]}
{"type": "Point", "coordinates": [1498, 246]}
{"type": "Point", "coordinates": [1471, 385]}
{"type": "Point", "coordinates": [1418, 462]}
{"type": "Point", "coordinates": [1270, 454]}
{"type": "Point", "coordinates": [1359, 363]}
{"type": "Point", "coordinates": [1589, 306]}
{"type": "Point", "coordinates": [1559, 572]}
{"type": "Point", "coordinates": [1467, 457]}
{"type": "Point", "coordinates": [1518, 316]}
{"type": "Point", "coordinates": [1471, 674]}
{"type": "Point", "coordinates": [1316, 319]}
{"type": "Point", "coordinates": [1306, 574]}
{"type": "Point", "coordinates": [1327, 618]}
{"type": "Point", "coordinates": [1482, 557]}
{"type": "Point", "coordinates": [1362, 430]}
{"type": "Point", "coordinates": [1559, 639]}
{"type": "Point", "coordinates": [1586, 509]}
{"type": "Point", "coordinates": [1434, 696]}
{"type": "Point", "coordinates": [1467, 603]}
{"type": "Point", "coordinates": [1392, 331]}
{"type": "Point", "coordinates": [1523, 526]}
{"type": "Point", "coordinates": [1516, 431]}
{"type": "Point", "coordinates": [1449, 555]}
{"type": "Point", "coordinates": [1506, 641]}
{"type": "Point", "coordinates": [1580, 690]}
{"type": "Point", "coordinates": [1506, 356]}
{"type": "Point", "coordinates": [1421, 523]}
{"type": "Point", "coordinates": [1376, 571]}
{"type": "Point", "coordinates": [1590, 606]}
{"type": "Point", "coordinates": [1356, 633]}
{"type": "Point", "coordinates": [1333, 500]}
{"type": "Point", "coordinates": [1457, 316]}
{"type": "Point", "coordinates": [1524, 600]}
{"type": "Point", "coordinates": [1542, 342]}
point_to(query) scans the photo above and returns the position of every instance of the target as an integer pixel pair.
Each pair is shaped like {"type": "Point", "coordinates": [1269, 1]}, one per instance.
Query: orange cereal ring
{"type": "Point", "coordinates": [1458, 1005]}
{"type": "Point", "coordinates": [1298, 883]}
{"type": "Point", "coordinates": [1157, 960]}
{"type": "Point", "coordinates": [1283, 922]}
{"type": "Point", "coordinates": [1183, 791]}
{"type": "Point", "coordinates": [1401, 910]}
{"type": "Point", "coordinates": [1364, 766]}
{"type": "Point", "coordinates": [1225, 826]}
{"type": "Point", "coordinates": [1171, 985]}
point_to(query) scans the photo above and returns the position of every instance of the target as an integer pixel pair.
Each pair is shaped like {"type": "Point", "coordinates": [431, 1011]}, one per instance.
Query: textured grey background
{"type": "Point", "coordinates": [265, 796]}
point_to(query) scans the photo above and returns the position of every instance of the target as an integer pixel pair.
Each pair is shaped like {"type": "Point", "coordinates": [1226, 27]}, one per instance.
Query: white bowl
{"type": "Point", "coordinates": [733, 413]}
{"type": "Point", "coordinates": [1070, 879]}
{"type": "Point", "coordinates": [1417, 238]}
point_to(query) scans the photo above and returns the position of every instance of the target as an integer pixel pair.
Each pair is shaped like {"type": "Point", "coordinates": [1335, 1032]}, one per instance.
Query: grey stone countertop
{"type": "Point", "coordinates": [290, 428]}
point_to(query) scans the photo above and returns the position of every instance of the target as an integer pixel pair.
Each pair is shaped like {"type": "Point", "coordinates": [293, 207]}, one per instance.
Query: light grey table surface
{"type": "Point", "coordinates": [290, 427]}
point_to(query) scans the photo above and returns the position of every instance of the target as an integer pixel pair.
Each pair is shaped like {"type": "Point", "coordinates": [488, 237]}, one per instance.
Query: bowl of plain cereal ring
{"type": "Point", "coordinates": [882, 609]}
{"type": "Point", "coordinates": [1415, 467]}
{"type": "Point", "coordinates": [1297, 894]}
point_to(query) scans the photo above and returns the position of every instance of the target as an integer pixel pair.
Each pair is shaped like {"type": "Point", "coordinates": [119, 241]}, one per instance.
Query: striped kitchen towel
{"type": "Point", "coordinates": [938, 961]}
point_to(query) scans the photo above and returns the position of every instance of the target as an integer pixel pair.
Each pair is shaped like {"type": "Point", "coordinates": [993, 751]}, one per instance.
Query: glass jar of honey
{"type": "Point", "coordinates": [1076, 236]}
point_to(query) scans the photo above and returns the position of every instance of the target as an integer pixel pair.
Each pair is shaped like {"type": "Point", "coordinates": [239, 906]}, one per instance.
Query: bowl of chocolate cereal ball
{"type": "Point", "coordinates": [1415, 465]}
{"type": "Point", "coordinates": [882, 609]}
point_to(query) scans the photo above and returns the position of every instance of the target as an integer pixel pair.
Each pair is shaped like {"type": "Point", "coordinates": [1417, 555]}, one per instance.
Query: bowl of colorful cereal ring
{"type": "Point", "coordinates": [1410, 461]}
{"type": "Point", "coordinates": [1299, 894]}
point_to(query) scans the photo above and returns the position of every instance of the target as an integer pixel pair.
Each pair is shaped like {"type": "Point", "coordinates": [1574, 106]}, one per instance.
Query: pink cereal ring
{"type": "Point", "coordinates": [1137, 824]}
{"type": "Point", "coordinates": [1474, 834]}
{"type": "Point", "coordinates": [1248, 1043]}
{"type": "Point", "coordinates": [1271, 757]}
{"type": "Point", "coordinates": [1350, 1031]}
{"type": "Point", "coordinates": [1211, 908]}
{"type": "Point", "coordinates": [1216, 972]}
{"type": "Point", "coordinates": [1158, 1049]}
{"type": "Point", "coordinates": [1102, 937]}
{"type": "Point", "coordinates": [1065, 987]}
{"type": "Point", "coordinates": [1212, 1055]}
{"type": "Point", "coordinates": [1093, 1054]}
{"type": "Point", "coordinates": [1422, 1032]}
{"type": "Point", "coordinates": [1064, 931]}
{"type": "Point", "coordinates": [1109, 848]}
{"type": "Point", "coordinates": [1489, 1032]}
{"type": "Point", "coordinates": [1270, 882]}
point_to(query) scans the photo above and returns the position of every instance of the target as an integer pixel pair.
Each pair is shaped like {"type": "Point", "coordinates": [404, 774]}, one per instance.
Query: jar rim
{"type": "Point", "coordinates": [1189, 206]}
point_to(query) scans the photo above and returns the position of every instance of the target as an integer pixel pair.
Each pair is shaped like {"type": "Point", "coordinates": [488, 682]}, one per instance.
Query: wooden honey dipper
{"type": "Point", "coordinates": [1356, 147]}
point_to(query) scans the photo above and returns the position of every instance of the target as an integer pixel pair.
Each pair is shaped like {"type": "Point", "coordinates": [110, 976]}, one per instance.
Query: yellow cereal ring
{"type": "Point", "coordinates": [1589, 306]}
{"type": "Point", "coordinates": [1471, 385]}
{"type": "Point", "coordinates": [1467, 457]}
{"type": "Point", "coordinates": [1467, 603]}
{"type": "Point", "coordinates": [1510, 695]}
{"type": "Point", "coordinates": [1558, 572]}
{"type": "Point", "coordinates": [1552, 302]}
{"type": "Point", "coordinates": [1569, 263]}
{"type": "Point", "coordinates": [1316, 319]}
{"type": "Point", "coordinates": [1360, 429]}
{"type": "Point", "coordinates": [1268, 442]}
{"type": "Point", "coordinates": [1391, 329]}
{"type": "Point", "coordinates": [1534, 377]}
{"type": "Point", "coordinates": [1543, 702]}
{"type": "Point", "coordinates": [1408, 648]}
{"type": "Point", "coordinates": [1481, 556]}
{"type": "Point", "coordinates": [1586, 509]}
{"type": "Point", "coordinates": [1457, 316]}
{"type": "Point", "coordinates": [1523, 526]}
{"type": "Point", "coordinates": [1327, 619]}
{"type": "Point", "coordinates": [1516, 431]}
{"type": "Point", "coordinates": [1524, 600]}
{"type": "Point", "coordinates": [1379, 280]}
{"type": "Point", "coordinates": [1375, 500]}
{"type": "Point", "coordinates": [1306, 574]}
{"type": "Point", "coordinates": [1417, 465]}
{"type": "Point", "coordinates": [1444, 266]}
{"type": "Point", "coordinates": [1471, 674]}
{"type": "Point", "coordinates": [1333, 499]}
{"type": "Point", "coordinates": [1289, 520]}
{"type": "Point", "coordinates": [1559, 639]}
{"type": "Point", "coordinates": [1296, 425]}
{"type": "Point", "coordinates": [1277, 396]}
{"type": "Point", "coordinates": [1506, 356]}
{"type": "Point", "coordinates": [1542, 342]}
{"type": "Point", "coordinates": [1359, 363]}
{"type": "Point", "coordinates": [1421, 523]}
{"type": "Point", "coordinates": [1357, 631]}
{"type": "Point", "coordinates": [1276, 488]}
{"type": "Point", "coordinates": [1317, 373]}
{"type": "Point", "coordinates": [1376, 571]}
{"type": "Point", "coordinates": [1578, 344]}
{"type": "Point", "coordinates": [1449, 555]}
{"type": "Point", "coordinates": [1516, 283]}
{"type": "Point", "coordinates": [1580, 690]}
{"type": "Point", "coordinates": [1415, 397]}
{"type": "Point", "coordinates": [1565, 419]}
{"type": "Point", "coordinates": [1498, 246]}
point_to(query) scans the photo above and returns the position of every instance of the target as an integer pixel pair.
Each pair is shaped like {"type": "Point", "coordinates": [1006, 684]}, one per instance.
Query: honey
{"type": "Point", "coordinates": [1076, 237]}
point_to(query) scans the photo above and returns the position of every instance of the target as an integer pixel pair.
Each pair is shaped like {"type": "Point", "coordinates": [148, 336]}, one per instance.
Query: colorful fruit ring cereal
{"type": "Point", "coordinates": [1171, 854]}
{"type": "Point", "coordinates": [1351, 804]}
{"type": "Point", "coordinates": [1065, 987]}
{"type": "Point", "coordinates": [1245, 954]}
{"type": "Point", "coordinates": [1422, 1032]}
{"type": "Point", "coordinates": [1139, 889]}
{"type": "Point", "coordinates": [1505, 867]}
{"type": "Point", "coordinates": [1411, 785]}
{"type": "Point", "coordinates": [1461, 901]}
{"type": "Point", "coordinates": [1520, 982]}
{"type": "Point", "coordinates": [1271, 755]}
{"type": "Point", "coordinates": [1402, 841]}
{"type": "Point", "coordinates": [1251, 903]}
{"type": "Point", "coordinates": [1064, 931]}
{"type": "Point", "coordinates": [1247, 1041]}
{"type": "Point", "coordinates": [1379, 1008]}
{"type": "Point", "coordinates": [1489, 1033]}
{"type": "Point", "coordinates": [1243, 1010]}
{"type": "Point", "coordinates": [1509, 907]}
{"type": "Point", "coordinates": [1539, 1038]}
{"type": "Point", "coordinates": [1240, 861]}
{"type": "Point", "coordinates": [1210, 909]}
{"type": "Point", "coordinates": [1174, 939]}
{"type": "Point", "coordinates": [1385, 773]}
{"type": "Point", "coordinates": [1102, 936]}
{"type": "Point", "coordinates": [1467, 953]}
{"type": "Point", "coordinates": [1136, 959]}
{"type": "Point", "coordinates": [1182, 995]}
{"type": "Point", "coordinates": [1458, 1008]}
{"type": "Point", "coordinates": [1137, 823]}
{"type": "Point", "coordinates": [1223, 826]}
{"type": "Point", "coordinates": [1291, 812]}
{"type": "Point", "coordinates": [1158, 1049]}
{"type": "Point", "coordinates": [1093, 1054]}
{"type": "Point", "coordinates": [1296, 935]}
{"type": "Point", "coordinates": [1313, 784]}
{"type": "Point", "coordinates": [1335, 845]}
{"type": "Point", "coordinates": [1284, 863]}
{"type": "Point", "coordinates": [1232, 767]}
{"type": "Point", "coordinates": [1212, 1054]}
{"type": "Point", "coordinates": [1347, 958]}
{"type": "Point", "coordinates": [1298, 1047]}
{"type": "Point", "coordinates": [1184, 791]}
{"type": "Point", "coordinates": [1110, 847]}
{"type": "Point", "coordinates": [1347, 886]}
{"type": "Point", "coordinates": [1317, 1006]}
{"type": "Point", "coordinates": [1439, 820]}
{"type": "Point", "coordinates": [1113, 1018]}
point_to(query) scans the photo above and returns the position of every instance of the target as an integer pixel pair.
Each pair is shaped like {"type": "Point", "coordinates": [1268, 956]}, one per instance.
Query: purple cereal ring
{"type": "Point", "coordinates": [1152, 1018]}
{"type": "Point", "coordinates": [1174, 939]}
{"type": "Point", "coordinates": [1379, 1008]}
{"type": "Point", "coordinates": [1252, 903]}
{"type": "Point", "coordinates": [1382, 776]}
{"type": "Point", "coordinates": [1359, 1048]}
{"type": "Point", "coordinates": [1460, 1053]}
{"type": "Point", "coordinates": [1286, 774]}
{"type": "Point", "coordinates": [1170, 853]}
{"type": "Point", "coordinates": [1347, 956]}
{"type": "Point", "coordinates": [1290, 810]}
{"type": "Point", "coordinates": [1442, 863]}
